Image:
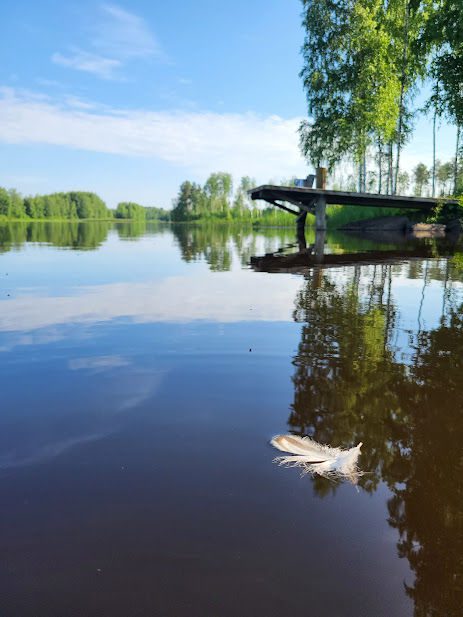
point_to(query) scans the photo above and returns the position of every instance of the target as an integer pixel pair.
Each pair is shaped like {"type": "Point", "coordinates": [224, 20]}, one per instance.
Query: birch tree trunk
{"type": "Point", "coordinates": [455, 167]}
{"type": "Point", "coordinates": [402, 95]}
{"type": "Point", "coordinates": [390, 168]}
{"type": "Point", "coordinates": [380, 167]}
{"type": "Point", "coordinates": [434, 154]}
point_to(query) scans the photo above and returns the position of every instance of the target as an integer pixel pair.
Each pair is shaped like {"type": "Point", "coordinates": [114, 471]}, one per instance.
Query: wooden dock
{"type": "Point", "coordinates": [315, 201]}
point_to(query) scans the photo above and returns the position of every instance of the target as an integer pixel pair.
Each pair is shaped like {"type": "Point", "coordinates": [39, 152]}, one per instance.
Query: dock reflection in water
{"type": "Point", "coordinates": [139, 480]}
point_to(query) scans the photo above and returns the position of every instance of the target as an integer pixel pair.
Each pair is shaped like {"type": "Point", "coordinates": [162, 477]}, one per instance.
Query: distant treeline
{"type": "Point", "coordinates": [73, 205]}
{"type": "Point", "coordinates": [133, 211]}
{"type": "Point", "coordinates": [214, 201]}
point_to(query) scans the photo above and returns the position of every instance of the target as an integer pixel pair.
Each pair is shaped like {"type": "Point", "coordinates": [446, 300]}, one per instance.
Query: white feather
{"type": "Point", "coordinates": [316, 458]}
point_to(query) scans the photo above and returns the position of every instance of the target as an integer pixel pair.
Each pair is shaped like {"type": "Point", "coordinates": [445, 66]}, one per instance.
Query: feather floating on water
{"type": "Point", "coordinates": [316, 458]}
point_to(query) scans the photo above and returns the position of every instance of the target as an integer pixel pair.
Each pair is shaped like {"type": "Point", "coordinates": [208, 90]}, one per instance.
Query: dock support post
{"type": "Point", "coordinates": [320, 204]}
{"type": "Point", "coordinates": [320, 213]}
{"type": "Point", "coordinates": [300, 230]}
{"type": "Point", "coordinates": [300, 221]}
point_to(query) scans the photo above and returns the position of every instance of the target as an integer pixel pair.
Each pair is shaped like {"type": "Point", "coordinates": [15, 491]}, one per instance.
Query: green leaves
{"type": "Point", "coordinates": [72, 205]}
{"type": "Point", "coordinates": [422, 176]}
{"type": "Point", "coordinates": [351, 77]}
{"type": "Point", "coordinates": [362, 63]}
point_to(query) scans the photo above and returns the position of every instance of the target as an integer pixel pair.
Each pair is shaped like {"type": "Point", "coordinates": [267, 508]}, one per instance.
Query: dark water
{"type": "Point", "coordinates": [143, 372]}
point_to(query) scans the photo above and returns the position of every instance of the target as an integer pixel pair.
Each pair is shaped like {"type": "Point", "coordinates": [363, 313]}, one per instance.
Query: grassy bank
{"type": "Point", "coordinates": [7, 219]}
{"type": "Point", "coordinates": [338, 216]}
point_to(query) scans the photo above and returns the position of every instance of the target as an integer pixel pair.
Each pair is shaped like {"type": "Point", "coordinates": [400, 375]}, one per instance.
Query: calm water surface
{"type": "Point", "coordinates": [143, 372]}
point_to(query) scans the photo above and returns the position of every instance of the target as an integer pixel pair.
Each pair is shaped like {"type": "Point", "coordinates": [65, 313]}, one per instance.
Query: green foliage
{"type": "Point", "coordinates": [443, 38]}
{"type": "Point", "coordinates": [242, 203]}
{"type": "Point", "coordinates": [443, 213]}
{"type": "Point", "coordinates": [403, 182]}
{"type": "Point", "coordinates": [217, 192]}
{"type": "Point", "coordinates": [214, 202]}
{"type": "Point", "coordinates": [189, 203]}
{"type": "Point", "coordinates": [338, 216]}
{"type": "Point", "coordinates": [444, 173]}
{"type": "Point", "coordinates": [436, 214]}
{"type": "Point", "coordinates": [422, 176]}
{"type": "Point", "coordinates": [275, 217]}
{"type": "Point", "coordinates": [157, 214]}
{"type": "Point", "coordinates": [356, 75]}
{"type": "Point", "coordinates": [363, 62]}
{"type": "Point", "coordinates": [72, 206]}
{"type": "Point", "coordinates": [130, 210]}
{"type": "Point", "coordinates": [11, 204]}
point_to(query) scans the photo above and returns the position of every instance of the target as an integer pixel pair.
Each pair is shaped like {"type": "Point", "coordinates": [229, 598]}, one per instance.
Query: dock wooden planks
{"type": "Point", "coordinates": [306, 198]}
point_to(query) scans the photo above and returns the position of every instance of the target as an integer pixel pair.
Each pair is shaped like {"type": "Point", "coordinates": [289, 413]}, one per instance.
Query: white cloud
{"type": "Point", "coordinates": [117, 37]}
{"type": "Point", "coordinates": [48, 83]}
{"type": "Point", "coordinates": [243, 144]}
{"type": "Point", "coordinates": [78, 103]}
{"type": "Point", "coordinates": [125, 35]}
{"type": "Point", "coordinates": [90, 63]}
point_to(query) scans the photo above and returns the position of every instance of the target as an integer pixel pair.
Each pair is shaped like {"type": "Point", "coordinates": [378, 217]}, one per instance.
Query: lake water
{"type": "Point", "coordinates": [144, 371]}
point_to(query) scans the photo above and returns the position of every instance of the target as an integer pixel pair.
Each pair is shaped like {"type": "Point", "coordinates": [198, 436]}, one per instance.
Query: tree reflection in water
{"type": "Point", "coordinates": [66, 234]}
{"type": "Point", "coordinates": [217, 244]}
{"type": "Point", "coordinates": [357, 378]}
{"type": "Point", "coordinates": [79, 235]}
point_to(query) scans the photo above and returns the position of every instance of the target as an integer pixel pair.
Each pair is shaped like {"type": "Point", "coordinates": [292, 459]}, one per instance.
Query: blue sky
{"type": "Point", "coordinates": [129, 99]}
